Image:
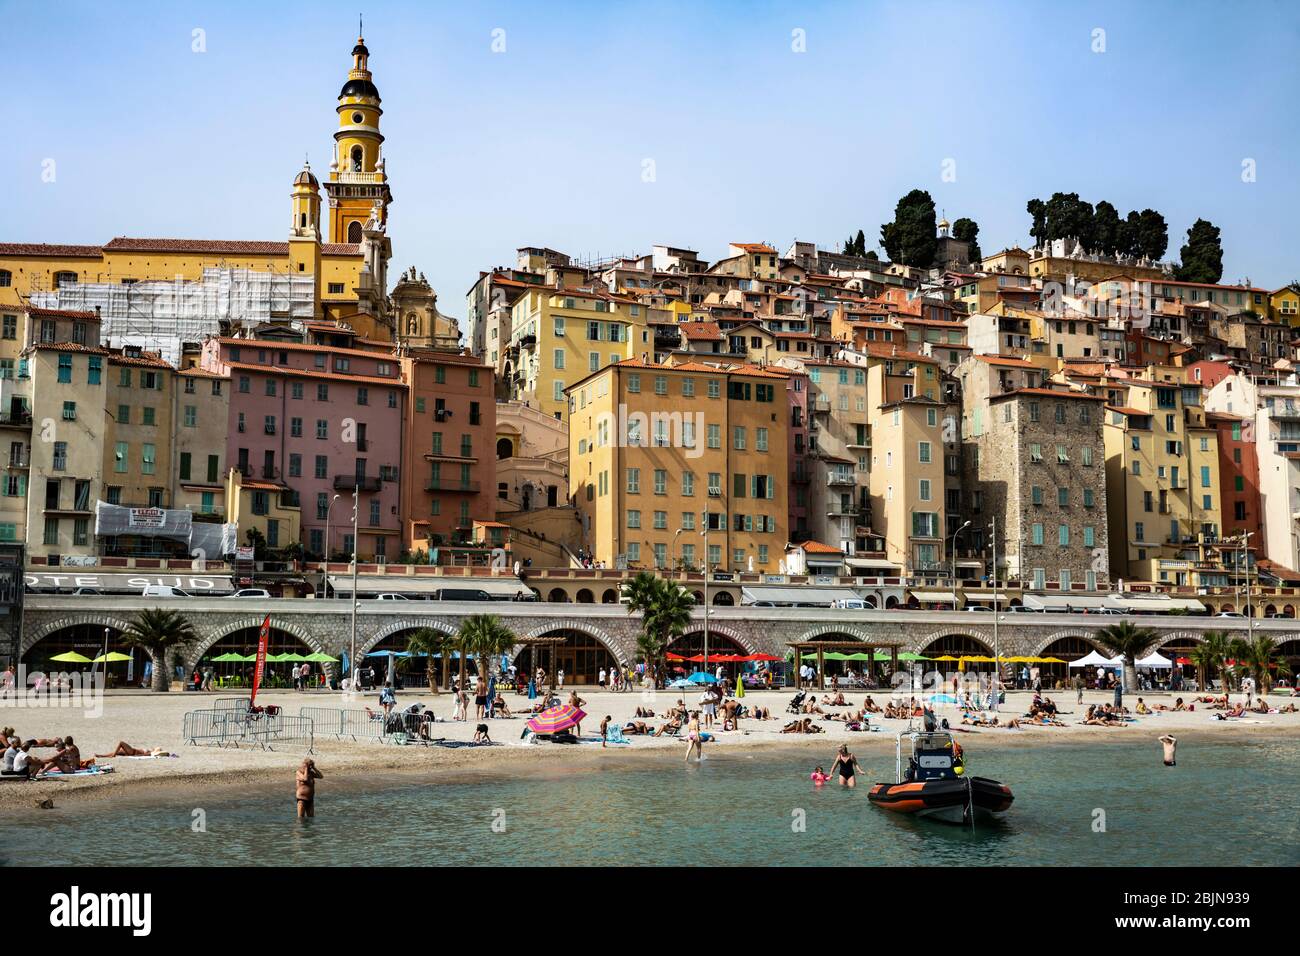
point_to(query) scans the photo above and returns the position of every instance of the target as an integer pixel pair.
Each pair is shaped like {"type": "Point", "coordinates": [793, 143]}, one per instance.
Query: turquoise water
{"type": "Point", "coordinates": [1233, 802]}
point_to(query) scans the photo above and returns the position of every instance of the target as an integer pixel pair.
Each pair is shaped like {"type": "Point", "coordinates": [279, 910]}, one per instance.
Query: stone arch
{"type": "Point", "coordinates": [984, 647]}
{"type": "Point", "coordinates": [610, 596]}
{"type": "Point", "coordinates": [390, 628]}
{"type": "Point", "coordinates": [195, 652]}
{"type": "Point", "coordinates": [505, 448]}
{"type": "Point", "coordinates": [570, 624]}
{"type": "Point", "coordinates": [729, 633]}
{"type": "Point", "coordinates": [1083, 633]}
{"type": "Point", "coordinates": [979, 634]}
{"type": "Point", "coordinates": [830, 630]}
{"type": "Point", "coordinates": [558, 596]}
{"type": "Point", "coordinates": [72, 620]}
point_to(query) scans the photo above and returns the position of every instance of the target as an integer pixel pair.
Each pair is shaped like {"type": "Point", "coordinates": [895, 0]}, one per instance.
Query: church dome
{"type": "Point", "coordinates": [306, 178]}
{"type": "Point", "coordinates": [359, 88]}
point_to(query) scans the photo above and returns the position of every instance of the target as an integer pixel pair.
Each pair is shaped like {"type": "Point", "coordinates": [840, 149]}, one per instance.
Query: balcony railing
{"type": "Point", "coordinates": [442, 484]}
{"type": "Point", "coordinates": [356, 483]}
{"type": "Point", "coordinates": [841, 478]}
{"type": "Point", "coordinates": [15, 418]}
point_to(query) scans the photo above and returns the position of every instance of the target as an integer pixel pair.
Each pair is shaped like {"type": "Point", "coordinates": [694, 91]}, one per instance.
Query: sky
{"type": "Point", "coordinates": [603, 128]}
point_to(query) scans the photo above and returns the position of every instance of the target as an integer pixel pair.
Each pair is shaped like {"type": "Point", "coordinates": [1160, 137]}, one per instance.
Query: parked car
{"type": "Point", "coordinates": [83, 592]}
{"type": "Point", "coordinates": [390, 597]}
{"type": "Point", "coordinates": [1021, 609]}
{"type": "Point", "coordinates": [1107, 610]}
{"type": "Point", "coordinates": [162, 590]}
{"type": "Point", "coordinates": [252, 593]}
{"type": "Point", "coordinates": [1234, 614]}
{"type": "Point", "coordinates": [852, 604]}
{"type": "Point", "coordinates": [979, 609]}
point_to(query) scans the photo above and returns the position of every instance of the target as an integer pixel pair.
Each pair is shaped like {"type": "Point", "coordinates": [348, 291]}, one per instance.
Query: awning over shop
{"type": "Point", "coordinates": [131, 582]}
{"type": "Point", "coordinates": [1152, 603]}
{"type": "Point", "coordinates": [430, 586]}
{"type": "Point", "coordinates": [797, 595]}
{"type": "Point", "coordinates": [1059, 602]}
{"type": "Point", "coordinates": [933, 597]}
{"type": "Point", "coordinates": [880, 563]}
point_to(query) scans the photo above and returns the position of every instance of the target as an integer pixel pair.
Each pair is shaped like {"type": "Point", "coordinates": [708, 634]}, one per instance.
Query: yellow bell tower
{"type": "Point", "coordinates": [357, 182]}
{"type": "Point", "coordinates": [304, 231]}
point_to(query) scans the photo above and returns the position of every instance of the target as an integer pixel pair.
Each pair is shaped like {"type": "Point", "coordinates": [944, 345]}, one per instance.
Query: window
{"type": "Point", "coordinates": [1062, 456]}
{"type": "Point", "coordinates": [558, 359]}
{"type": "Point", "coordinates": [688, 483]}
{"type": "Point", "coordinates": [213, 468]}
{"type": "Point", "coordinates": [69, 411]}
{"type": "Point", "coordinates": [1086, 456]}
{"type": "Point", "coordinates": [738, 437]}
{"type": "Point", "coordinates": [925, 489]}
{"type": "Point", "coordinates": [94, 370]}
{"type": "Point", "coordinates": [661, 481]}
{"type": "Point", "coordinates": [1036, 453]}
{"type": "Point", "coordinates": [760, 439]}
{"type": "Point", "coordinates": [688, 388]}
{"type": "Point", "coordinates": [1089, 536]}
{"type": "Point", "coordinates": [148, 414]}
{"type": "Point", "coordinates": [363, 396]}
{"type": "Point", "coordinates": [1063, 497]}
{"type": "Point", "coordinates": [185, 466]}
{"type": "Point", "coordinates": [65, 368]}
{"type": "Point", "coordinates": [322, 466]}
{"type": "Point", "coordinates": [1089, 499]}
{"type": "Point", "coordinates": [1063, 535]}
{"type": "Point", "coordinates": [322, 428]}
{"type": "Point", "coordinates": [924, 449]}
{"type": "Point", "coordinates": [633, 518]}
{"type": "Point", "coordinates": [1036, 534]}
{"type": "Point", "coordinates": [634, 481]}
{"type": "Point", "coordinates": [322, 392]}
{"type": "Point", "coordinates": [1036, 495]}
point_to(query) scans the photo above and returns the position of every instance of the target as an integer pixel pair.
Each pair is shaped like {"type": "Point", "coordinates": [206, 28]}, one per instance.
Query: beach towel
{"type": "Point", "coordinates": [614, 735]}
{"type": "Point", "coordinates": [149, 756]}
{"type": "Point", "coordinates": [88, 772]}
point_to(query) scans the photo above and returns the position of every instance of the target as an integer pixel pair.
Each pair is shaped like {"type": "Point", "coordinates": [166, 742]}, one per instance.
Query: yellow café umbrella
{"type": "Point", "coordinates": [978, 659]}
{"type": "Point", "coordinates": [112, 657]}
{"type": "Point", "coordinates": [946, 657]}
{"type": "Point", "coordinates": [1050, 660]}
{"type": "Point", "coordinates": [71, 657]}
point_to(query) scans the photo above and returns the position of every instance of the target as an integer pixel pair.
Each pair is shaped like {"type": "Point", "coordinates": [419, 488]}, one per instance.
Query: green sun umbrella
{"type": "Point", "coordinates": [295, 656]}
{"type": "Point", "coordinates": [227, 658]}
{"type": "Point", "coordinates": [71, 657]}
{"type": "Point", "coordinates": [111, 657]}
{"type": "Point", "coordinates": [319, 658]}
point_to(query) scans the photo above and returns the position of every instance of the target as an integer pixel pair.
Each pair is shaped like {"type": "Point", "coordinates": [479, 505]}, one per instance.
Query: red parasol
{"type": "Point", "coordinates": [554, 719]}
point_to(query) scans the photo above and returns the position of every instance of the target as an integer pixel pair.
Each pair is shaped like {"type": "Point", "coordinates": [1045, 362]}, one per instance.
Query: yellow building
{"type": "Point", "coordinates": [659, 453]}
{"type": "Point", "coordinates": [1162, 483]}
{"type": "Point", "coordinates": [560, 336]}
{"type": "Point", "coordinates": [267, 508]}
{"type": "Point", "coordinates": [349, 275]}
{"type": "Point", "coordinates": [1284, 305]}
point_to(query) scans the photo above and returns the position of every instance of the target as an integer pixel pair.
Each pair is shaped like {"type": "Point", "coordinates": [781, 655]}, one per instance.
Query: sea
{"type": "Point", "coordinates": [1075, 804]}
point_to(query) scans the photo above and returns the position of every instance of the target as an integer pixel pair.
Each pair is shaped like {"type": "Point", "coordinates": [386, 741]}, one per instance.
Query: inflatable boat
{"type": "Point", "coordinates": [933, 783]}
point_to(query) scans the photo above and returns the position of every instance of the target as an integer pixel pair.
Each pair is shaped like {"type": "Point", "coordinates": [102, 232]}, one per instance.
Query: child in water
{"type": "Point", "coordinates": [819, 777]}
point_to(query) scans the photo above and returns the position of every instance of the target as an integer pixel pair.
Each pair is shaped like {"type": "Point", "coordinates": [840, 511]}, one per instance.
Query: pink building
{"type": "Point", "coordinates": [320, 421]}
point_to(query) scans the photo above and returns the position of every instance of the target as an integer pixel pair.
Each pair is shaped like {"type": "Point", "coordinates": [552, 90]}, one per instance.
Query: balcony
{"type": "Point", "coordinates": [443, 484]}
{"type": "Point", "coordinates": [16, 419]}
{"type": "Point", "coordinates": [356, 483]}
{"type": "Point", "coordinates": [842, 511]}
{"type": "Point", "coordinates": [821, 404]}
{"type": "Point", "coordinates": [358, 178]}
{"type": "Point", "coordinates": [843, 479]}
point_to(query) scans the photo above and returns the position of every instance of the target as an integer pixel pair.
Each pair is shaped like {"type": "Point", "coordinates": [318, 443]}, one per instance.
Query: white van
{"type": "Point", "coordinates": [162, 590]}
{"type": "Point", "coordinates": [852, 604]}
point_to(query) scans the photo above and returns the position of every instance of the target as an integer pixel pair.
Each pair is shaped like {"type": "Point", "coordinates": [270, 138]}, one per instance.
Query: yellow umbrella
{"type": "Point", "coordinates": [946, 657]}
{"type": "Point", "coordinates": [1021, 660]}
{"type": "Point", "coordinates": [1050, 660]}
{"type": "Point", "coordinates": [111, 657]}
{"type": "Point", "coordinates": [978, 659]}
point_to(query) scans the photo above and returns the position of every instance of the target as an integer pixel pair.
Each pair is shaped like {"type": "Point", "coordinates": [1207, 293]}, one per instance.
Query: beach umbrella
{"type": "Point", "coordinates": [295, 656]}
{"type": "Point", "coordinates": [680, 683]}
{"type": "Point", "coordinates": [702, 677]}
{"type": "Point", "coordinates": [71, 657]}
{"type": "Point", "coordinates": [765, 657]}
{"type": "Point", "coordinates": [909, 656]}
{"type": "Point", "coordinates": [227, 658]}
{"type": "Point", "coordinates": [554, 719]}
{"type": "Point", "coordinates": [1050, 660]}
{"type": "Point", "coordinates": [319, 658]}
{"type": "Point", "coordinates": [946, 657]}
{"type": "Point", "coordinates": [111, 657]}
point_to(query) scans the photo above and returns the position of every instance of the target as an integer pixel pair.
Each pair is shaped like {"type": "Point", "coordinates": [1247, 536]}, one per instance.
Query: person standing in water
{"type": "Point", "coordinates": [306, 788]}
{"type": "Point", "coordinates": [845, 765]}
{"type": "Point", "coordinates": [693, 741]}
{"type": "Point", "coordinates": [1170, 744]}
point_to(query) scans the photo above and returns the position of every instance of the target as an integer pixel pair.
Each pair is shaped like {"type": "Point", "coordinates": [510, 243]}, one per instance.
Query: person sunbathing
{"type": "Point", "coordinates": [1238, 711]}
{"type": "Point", "coordinates": [636, 727]}
{"type": "Point", "coordinates": [67, 759]}
{"type": "Point", "coordinates": [1288, 709]}
{"type": "Point", "coordinates": [123, 749]}
{"type": "Point", "coordinates": [1142, 707]}
{"type": "Point", "coordinates": [644, 712]}
{"type": "Point", "coordinates": [837, 701]}
{"type": "Point", "coordinates": [870, 706]}
{"type": "Point", "coordinates": [802, 726]}
{"type": "Point", "coordinates": [672, 724]}
{"type": "Point", "coordinates": [760, 713]}
{"type": "Point", "coordinates": [499, 708]}
{"type": "Point", "coordinates": [811, 707]}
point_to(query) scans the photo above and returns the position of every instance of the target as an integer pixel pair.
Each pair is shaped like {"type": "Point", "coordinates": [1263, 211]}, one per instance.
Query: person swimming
{"type": "Point", "coordinates": [818, 776]}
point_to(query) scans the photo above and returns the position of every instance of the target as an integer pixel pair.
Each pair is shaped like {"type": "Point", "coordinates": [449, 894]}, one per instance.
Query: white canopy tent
{"type": "Point", "coordinates": [1093, 660]}
{"type": "Point", "coordinates": [1154, 660]}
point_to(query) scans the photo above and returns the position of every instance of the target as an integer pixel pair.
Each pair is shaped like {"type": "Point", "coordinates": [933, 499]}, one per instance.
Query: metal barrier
{"type": "Point", "coordinates": [355, 723]}
{"type": "Point", "coordinates": [262, 729]}
{"type": "Point", "coordinates": [238, 704]}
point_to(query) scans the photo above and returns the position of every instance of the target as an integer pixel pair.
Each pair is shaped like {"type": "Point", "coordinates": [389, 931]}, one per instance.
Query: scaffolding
{"type": "Point", "coordinates": [163, 316]}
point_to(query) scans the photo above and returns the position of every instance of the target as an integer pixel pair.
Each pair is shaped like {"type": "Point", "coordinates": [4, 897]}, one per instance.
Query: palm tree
{"type": "Point", "coordinates": [158, 631]}
{"type": "Point", "coordinates": [665, 608]}
{"type": "Point", "coordinates": [1259, 658]}
{"type": "Point", "coordinates": [484, 636]}
{"type": "Point", "coordinates": [1218, 648]}
{"type": "Point", "coordinates": [432, 644]}
{"type": "Point", "coordinates": [1129, 641]}
{"type": "Point", "coordinates": [1203, 656]}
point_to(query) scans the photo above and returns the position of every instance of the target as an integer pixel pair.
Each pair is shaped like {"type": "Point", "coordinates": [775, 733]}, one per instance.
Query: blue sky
{"type": "Point", "coordinates": [545, 143]}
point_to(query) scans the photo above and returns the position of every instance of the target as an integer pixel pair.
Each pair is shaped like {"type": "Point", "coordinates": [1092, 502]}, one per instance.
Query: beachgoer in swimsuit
{"type": "Point", "coordinates": [306, 788]}
{"type": "Point", "coordinates": [819, 776]}
{"type": "Point", "coordinates": [693, 742]}
{"type": "Point", "coordinates": [846, 764]}
{"type": "Point", "coordinates": [1170, 745]}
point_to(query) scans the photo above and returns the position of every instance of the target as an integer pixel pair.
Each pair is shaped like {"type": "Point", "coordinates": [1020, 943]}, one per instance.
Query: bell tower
{"type": "Point", "coordinates": [357, 182]}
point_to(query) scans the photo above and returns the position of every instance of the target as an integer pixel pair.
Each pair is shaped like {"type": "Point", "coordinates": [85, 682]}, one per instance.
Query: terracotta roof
{"type": "Point", "coordinates": [701, 330]}
{"type": "Point", "coordinates": [68, 347]}
{"type": "Point", "coordinates": [258, 484]}
{"type": "Point", "coordinates": [275, 344]}
{"type": "Point", "coordinates": [1050, 393]}
{"type": "Point", "coordinates": [195, 372]}
{"type": "Point", "coordinates": [63, 313]}
{"type": "Point", "coordinates": [144, 359]}
{"type": "Point", "coordinates": [816, 547]}
{"type": "Point", "coordinates": [233, 247]}
{"type": "Point", "coordinates": [754, 247]}
{"type": "Point", "coordinates": [1126, 411]}
{"type": "Point", "coordinates": [999, 360]}
{"type": "Point", "coordinates": [342, 378]}
{"type": "Point", "coordinates": [52, 250]}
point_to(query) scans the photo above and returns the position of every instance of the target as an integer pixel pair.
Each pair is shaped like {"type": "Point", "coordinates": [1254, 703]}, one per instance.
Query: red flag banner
{"type": "Point", "coordinates": [262, 638]}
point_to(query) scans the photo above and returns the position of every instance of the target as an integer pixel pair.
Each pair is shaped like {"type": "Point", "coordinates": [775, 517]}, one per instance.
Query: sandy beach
{"type": "Point", "coordinates": [155, 720]}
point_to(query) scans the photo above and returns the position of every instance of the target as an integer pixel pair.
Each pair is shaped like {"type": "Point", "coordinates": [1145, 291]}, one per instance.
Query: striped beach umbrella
{"type": "Point", "coordinates": [554, 719]}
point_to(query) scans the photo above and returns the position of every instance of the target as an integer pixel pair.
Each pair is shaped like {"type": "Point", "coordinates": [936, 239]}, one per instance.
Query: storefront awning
{"type": "Point", "coordinates": [933, 597]}
{"type": "Point", "coordinates": [797, 595]}
{"type": "Point", "coordinates": [131, 582]}
{"type": "Point", "coordinates": [1059, 602]}
{"type": "Point", "coordinates": [430, 586]}
{"type": "Point", "coordinates": [881, 563]}
{"type": "Point", "coordinates": [1153, 604]}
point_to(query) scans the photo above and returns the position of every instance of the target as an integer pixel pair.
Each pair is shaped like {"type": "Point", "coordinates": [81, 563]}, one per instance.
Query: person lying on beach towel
{"type": "Point", "coordinates": [123, 749]}
{"type": "Point", "coordinates": [636, 727]}
{"type": "Point", "coordinates": [803, 726]}
{"type": "Point", "coordinates": [979, 720]}
{"type": "Point", "coordinates": [644, 712]}
{"type": "Point", "coordinates": [836, 701]}
{"type": "Point", "coordinates": [1288, 709]}
{"type": "Point", "coordinates": [66, 759]}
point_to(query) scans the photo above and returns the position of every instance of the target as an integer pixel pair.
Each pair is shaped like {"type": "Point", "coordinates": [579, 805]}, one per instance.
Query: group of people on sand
{"type": "Point", "coordinates": [1106, 715]}
{"type": "Point", "coordinates": [19, 760]}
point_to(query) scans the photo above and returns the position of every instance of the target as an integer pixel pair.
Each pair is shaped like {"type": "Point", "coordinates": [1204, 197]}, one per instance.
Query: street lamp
{"type": "Point", "coordinates": [325, 592]}
{"type": "Point", "coordinates": [356, 505]}
{"type": "Point", "coordinates": [1245, 565]}
{"type": "Point", "coordinates": [997, 613]}
{"type": "Point", "coordinates": [952, 552]}
{"type": "Point", "coordinates": [680, 563]}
